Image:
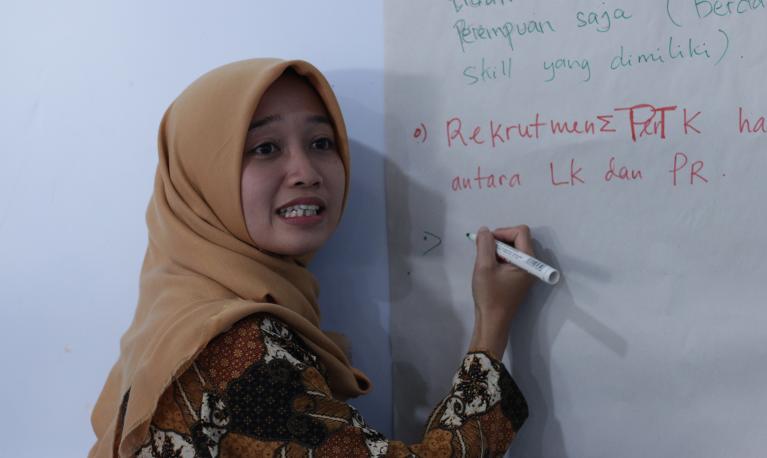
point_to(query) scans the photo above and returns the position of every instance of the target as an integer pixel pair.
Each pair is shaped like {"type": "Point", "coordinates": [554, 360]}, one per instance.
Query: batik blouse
{"type": "Point", "coordinates": [257, 390]}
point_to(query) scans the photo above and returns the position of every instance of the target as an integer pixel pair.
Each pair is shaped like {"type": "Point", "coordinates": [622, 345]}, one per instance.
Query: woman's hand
{"type": "Point", "coordinates": [498, 288]}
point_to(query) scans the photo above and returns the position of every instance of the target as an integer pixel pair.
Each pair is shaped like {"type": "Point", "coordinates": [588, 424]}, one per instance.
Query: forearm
{"type": "Point", "coordinates": [489, 335]}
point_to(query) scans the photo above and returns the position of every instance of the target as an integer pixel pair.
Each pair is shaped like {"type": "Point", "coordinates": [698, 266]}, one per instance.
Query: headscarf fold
{"type": "Point", "coordinates": [201, 271]}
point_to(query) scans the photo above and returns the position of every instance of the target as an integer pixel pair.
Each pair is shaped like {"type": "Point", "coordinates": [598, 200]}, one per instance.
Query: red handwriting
{"type": "Point", "coordinates": [606, 120]}
{"type": "Point", "coordinates": [560, 127]}
{"type": "Point", "coordinates": [490, 181]}
{"type": "Point", "coordinates": [680, 164]}
{"type": "Point", "coordinates": [568, 174]}
{"type": "Point", "coordinates": [420, 133]}
{"type": "Point", "coordinates": [644, 120]}
{"type": "Point", "coordinates": [498, 132]}
{"type": "Point", "coordinates": [688, 122]}
{"type": "Point", "coordinates": [573, 179]}
{"type": "Point", "coordinates": [634, 123]}
{"type": "Point", "coordinates": [649, 124]}
{"type": "Point", "coordinates": [621, 173]}
{"type": "Point", "coordinates": [745, 124]}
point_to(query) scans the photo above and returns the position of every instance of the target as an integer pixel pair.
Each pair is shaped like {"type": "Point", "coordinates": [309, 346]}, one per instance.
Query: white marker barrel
{"type": "Point", "coordinates": [524, 261]}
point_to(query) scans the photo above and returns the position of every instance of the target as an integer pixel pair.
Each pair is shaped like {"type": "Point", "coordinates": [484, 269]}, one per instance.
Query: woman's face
{"type": "Point", "coordinates": [292, 176]}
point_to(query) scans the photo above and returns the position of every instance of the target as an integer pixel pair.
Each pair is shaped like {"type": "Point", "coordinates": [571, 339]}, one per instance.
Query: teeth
{"type": "Point", "coordinates": [299, 210]}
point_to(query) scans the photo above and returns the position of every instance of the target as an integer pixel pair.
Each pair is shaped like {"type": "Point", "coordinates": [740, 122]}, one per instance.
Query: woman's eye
{"type": "Point", "coordinates": [323, 144]}
{"type": "Point", "coordinates": [264, 149]}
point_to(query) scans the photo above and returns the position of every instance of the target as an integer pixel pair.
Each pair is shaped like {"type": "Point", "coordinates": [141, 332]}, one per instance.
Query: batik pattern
{"type": "Point", "coordinates": [257, 390]}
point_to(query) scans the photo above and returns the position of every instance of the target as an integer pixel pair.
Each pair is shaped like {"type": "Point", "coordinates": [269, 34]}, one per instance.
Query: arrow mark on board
{"type": "Point", "coordinates": [439, 241]}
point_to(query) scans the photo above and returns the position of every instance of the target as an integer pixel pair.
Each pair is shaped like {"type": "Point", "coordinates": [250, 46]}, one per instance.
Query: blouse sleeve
{"type": "Point", "coordinates": [257, 390]}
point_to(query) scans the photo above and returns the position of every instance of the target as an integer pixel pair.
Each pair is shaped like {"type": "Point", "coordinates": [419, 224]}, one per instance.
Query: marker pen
{"type": "Point", "coordinates": [525, 262]}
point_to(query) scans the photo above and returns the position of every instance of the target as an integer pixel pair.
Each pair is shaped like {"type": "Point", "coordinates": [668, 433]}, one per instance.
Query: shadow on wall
{"type": "Point", "coordinates": [427, 335]}
{"type": "Point", "coordinates": [406, 340]}
{"type": "Point", "coordinates": [533, 333]}
{"type": "Point", "coordinates": [530, 353]}
{"type": "Point", "coordinates": [352, 267]}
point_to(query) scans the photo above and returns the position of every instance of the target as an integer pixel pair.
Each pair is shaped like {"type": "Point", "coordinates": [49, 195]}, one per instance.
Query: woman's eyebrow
{"type": "Point", "coordinates": [264, 121]}
{"type": "Point", "coordinates": [319, 119]}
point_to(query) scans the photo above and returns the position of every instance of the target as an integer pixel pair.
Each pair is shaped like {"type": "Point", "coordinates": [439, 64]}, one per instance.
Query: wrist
{"type": "Point", "coordinates": [493, 341]}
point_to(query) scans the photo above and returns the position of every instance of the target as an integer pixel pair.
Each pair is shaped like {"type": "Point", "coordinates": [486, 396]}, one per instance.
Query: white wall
{"type": "Point", "coordinates": [82, 87]}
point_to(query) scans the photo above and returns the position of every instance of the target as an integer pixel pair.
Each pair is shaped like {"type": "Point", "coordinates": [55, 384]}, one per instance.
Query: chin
{"type": "Point", "coordinates": [289, 243]}
{"type": "Point", "coordinates": [299, 249]}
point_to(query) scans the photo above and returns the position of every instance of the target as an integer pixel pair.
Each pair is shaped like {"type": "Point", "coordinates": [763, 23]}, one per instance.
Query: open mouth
{"type": "Point", "coordinates": [301, 210]}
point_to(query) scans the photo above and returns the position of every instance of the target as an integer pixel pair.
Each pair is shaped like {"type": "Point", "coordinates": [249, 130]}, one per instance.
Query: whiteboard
{"type": "Point", "coordinates": [84, 84]}
{"type": "Point", "coordinates": [631, 138]}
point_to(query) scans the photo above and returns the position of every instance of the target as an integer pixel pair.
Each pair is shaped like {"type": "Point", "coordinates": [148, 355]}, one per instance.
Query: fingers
{"type": "Point", "coordinates": [485, 248]}
{"type": "Point", "coordinates": [517, 236]}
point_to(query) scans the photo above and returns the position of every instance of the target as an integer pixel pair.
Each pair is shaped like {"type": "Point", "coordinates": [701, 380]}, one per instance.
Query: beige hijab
{"type": "Point", "coordinates": [201, 271]}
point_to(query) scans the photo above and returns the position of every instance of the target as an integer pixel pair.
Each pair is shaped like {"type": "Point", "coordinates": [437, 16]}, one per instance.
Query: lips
{"type": "Point", "coordinates": [304, 201]}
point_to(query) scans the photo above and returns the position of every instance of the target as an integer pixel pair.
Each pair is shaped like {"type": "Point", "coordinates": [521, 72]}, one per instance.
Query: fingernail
{"type": "Point", "coordinates": [483, 228]}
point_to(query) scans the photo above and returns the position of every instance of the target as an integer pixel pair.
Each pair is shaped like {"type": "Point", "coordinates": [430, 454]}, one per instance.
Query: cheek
{"type": "Point", "coordinates": [255, 196]}
{"type": "Point", "coordinates": [336, 179]}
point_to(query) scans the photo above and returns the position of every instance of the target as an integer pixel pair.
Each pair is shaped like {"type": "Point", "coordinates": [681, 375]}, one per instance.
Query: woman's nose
{"type": "Point", "coordinates": [301, 170]}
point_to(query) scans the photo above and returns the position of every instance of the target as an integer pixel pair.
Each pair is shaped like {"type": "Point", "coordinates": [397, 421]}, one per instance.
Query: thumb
{"type": "Point", "coordinates": [485, 249]}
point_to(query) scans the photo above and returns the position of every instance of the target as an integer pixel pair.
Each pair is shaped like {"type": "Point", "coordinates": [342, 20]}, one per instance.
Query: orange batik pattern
{"type": "Point", "coordinates": [257, 390]}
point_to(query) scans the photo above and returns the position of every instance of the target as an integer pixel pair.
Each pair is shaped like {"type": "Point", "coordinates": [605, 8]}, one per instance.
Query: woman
{"type": "Point", "coordinates": [225, 357]}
